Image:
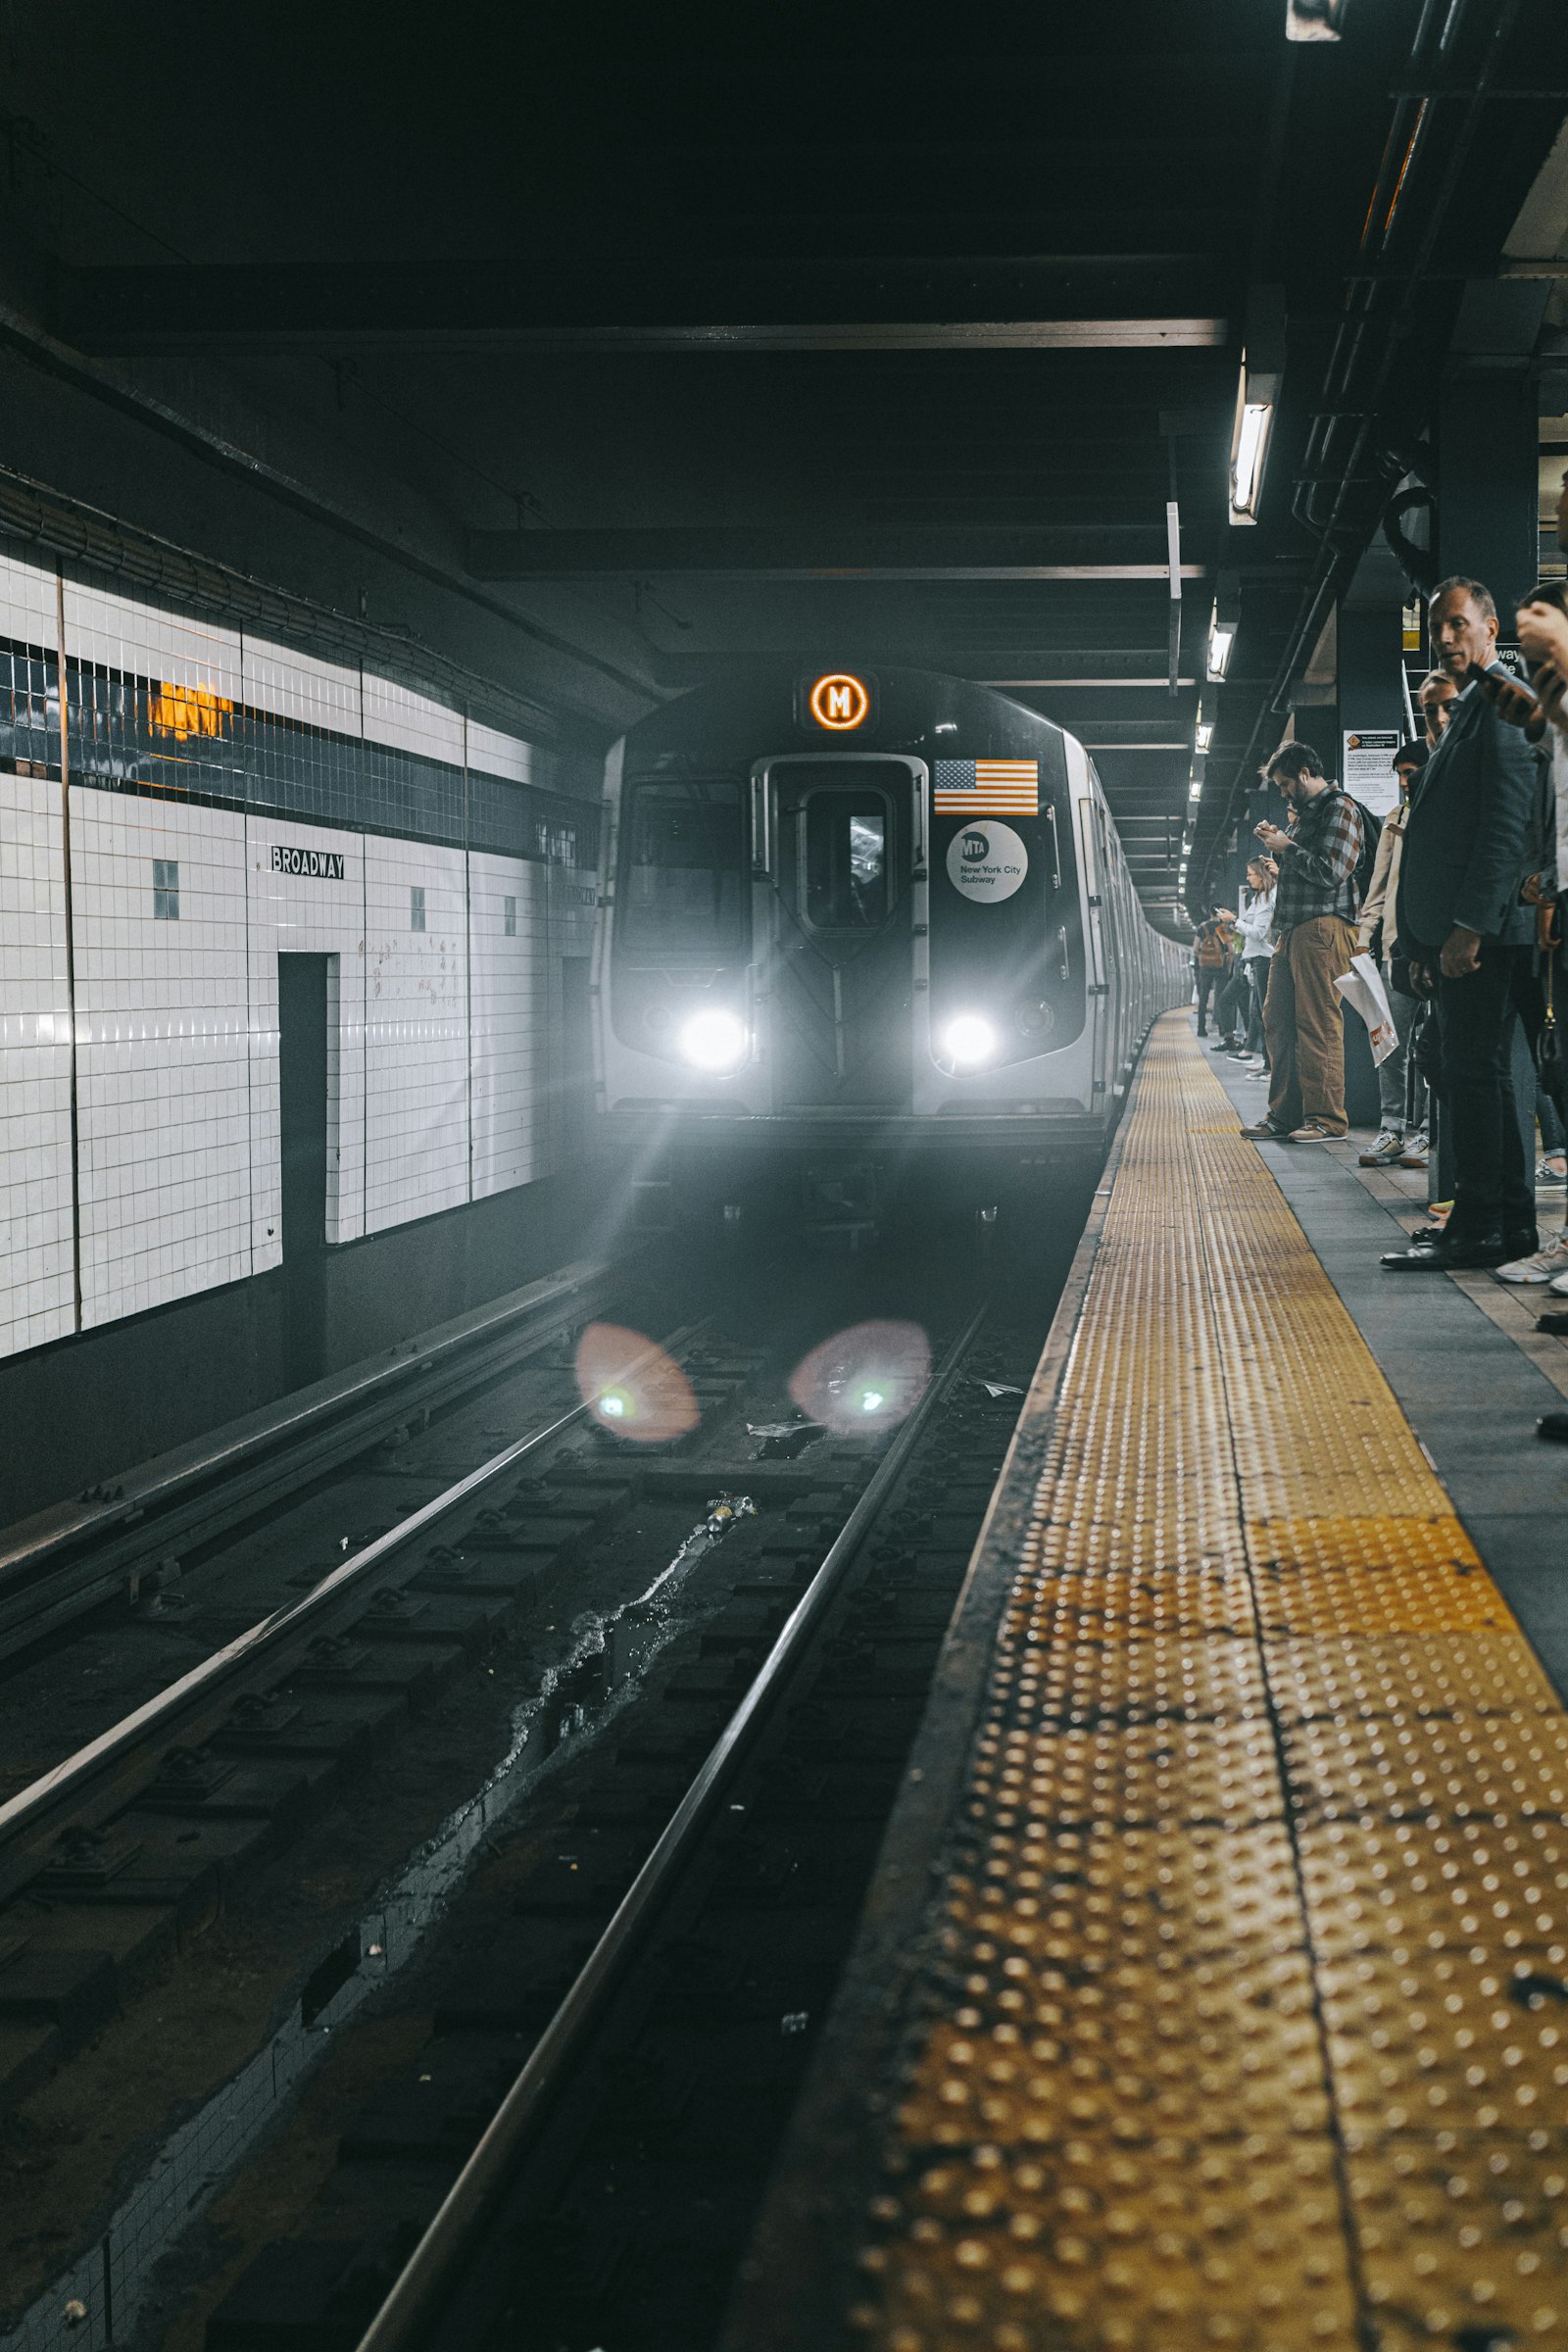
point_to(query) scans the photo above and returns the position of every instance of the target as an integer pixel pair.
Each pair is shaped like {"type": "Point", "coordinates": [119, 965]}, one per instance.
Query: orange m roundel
{"type": "Point", "coordinates": [840, 702]}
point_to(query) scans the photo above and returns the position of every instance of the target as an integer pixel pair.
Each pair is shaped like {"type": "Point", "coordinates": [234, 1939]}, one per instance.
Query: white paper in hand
{"type": "Point", "coordinates": [1362, 987]}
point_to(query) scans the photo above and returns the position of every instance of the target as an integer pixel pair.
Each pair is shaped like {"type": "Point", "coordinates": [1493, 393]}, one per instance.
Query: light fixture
{"type": "Point", "coordinates": [1203, 732]}
{"type": "Point", "coordinates": [1194, 790]}
{"type": "Point", "coordinates": [1257, 391]}
{"type": "Point", "coordinates": [968, 1040]}
{"type": "Point", "coordinates": [714, 1040]}
{"type": "Point", "coordinates": [1222, 626]}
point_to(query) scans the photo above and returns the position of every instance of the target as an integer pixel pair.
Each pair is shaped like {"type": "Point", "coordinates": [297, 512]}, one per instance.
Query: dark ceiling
{"type": "Point", "coordinates": [667, 337]}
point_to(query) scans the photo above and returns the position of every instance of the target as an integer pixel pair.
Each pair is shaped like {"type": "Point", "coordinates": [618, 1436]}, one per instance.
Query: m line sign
{"type": "Point", "coordinates": [318, 866]}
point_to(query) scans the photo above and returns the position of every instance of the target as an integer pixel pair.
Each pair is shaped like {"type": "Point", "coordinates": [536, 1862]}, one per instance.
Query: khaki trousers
{"type": "Point", "coordinates": [1303, 1024]}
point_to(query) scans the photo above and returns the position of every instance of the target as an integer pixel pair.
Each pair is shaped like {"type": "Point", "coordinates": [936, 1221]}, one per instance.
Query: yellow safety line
{"type": "Point", "coordinates": [1251, 2022]}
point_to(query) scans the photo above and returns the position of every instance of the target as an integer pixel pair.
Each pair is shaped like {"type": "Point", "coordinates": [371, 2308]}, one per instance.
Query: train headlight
{"type": "Point", "coordinates": [968, 1040]}
{"type": "Point", "coordinates": [714, 1040]}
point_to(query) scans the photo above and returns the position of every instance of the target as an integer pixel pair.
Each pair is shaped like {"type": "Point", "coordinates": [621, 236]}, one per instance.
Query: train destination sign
{"type": "Point", "coordinates": [318, 866]}
{"type": "Point", "coordinates": [839, 701]}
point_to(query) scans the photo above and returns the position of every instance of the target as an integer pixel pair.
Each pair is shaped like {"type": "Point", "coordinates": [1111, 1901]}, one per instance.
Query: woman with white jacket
{"type": "Point", "coordinates": [1255, 947]}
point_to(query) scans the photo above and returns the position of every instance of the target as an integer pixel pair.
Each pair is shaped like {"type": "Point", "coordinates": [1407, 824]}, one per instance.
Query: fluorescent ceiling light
{"type": "Point", "coordinates": [1194, 790]}
{"type": "Point", "coordinates": [1204, 735]}
{"type": "Point", "coordinates": [1258, 392]}
{"type": "Point", "coordinates": [1220, 642]}
{"type": "Point", "coordinates": [1247, 466]}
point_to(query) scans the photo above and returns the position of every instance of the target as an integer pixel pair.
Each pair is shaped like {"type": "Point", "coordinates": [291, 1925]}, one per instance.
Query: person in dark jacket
{"type": "Point", "coordinates": [1468, 937]}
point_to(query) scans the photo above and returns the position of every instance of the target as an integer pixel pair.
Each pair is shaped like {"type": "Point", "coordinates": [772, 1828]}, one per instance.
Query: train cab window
{"type": "Point", "coordinates": [845, 852]}
{"type": "Point", "coordinates": [684, 870]}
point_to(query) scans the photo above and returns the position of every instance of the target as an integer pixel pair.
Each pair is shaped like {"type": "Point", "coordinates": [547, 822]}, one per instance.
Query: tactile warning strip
{"type": "Point", "coordinates": [1250, 2022]}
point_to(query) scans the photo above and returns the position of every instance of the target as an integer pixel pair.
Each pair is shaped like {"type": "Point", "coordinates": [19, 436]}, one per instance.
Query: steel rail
{"type": "Point", "coordinates": [99, 1779]}
{"type": "Point", "coordinates": [60, 1562]}
{"type": "Point", "coordinates": [413, 2303]}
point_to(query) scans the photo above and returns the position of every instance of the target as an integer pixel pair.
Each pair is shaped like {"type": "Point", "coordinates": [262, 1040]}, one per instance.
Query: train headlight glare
{"type": "Point", "coordinates": [968, 1040]}
{"type": "Point", "coordinates": [871, 1400]}
{"type": "Point", "coordinates": [714, 1040]}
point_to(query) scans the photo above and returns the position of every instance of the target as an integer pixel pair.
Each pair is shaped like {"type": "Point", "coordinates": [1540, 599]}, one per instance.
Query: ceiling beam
{"type": "Point", "coordinates": [830, 552]}
{"type": "Point", "coordinates": [1074, 303]}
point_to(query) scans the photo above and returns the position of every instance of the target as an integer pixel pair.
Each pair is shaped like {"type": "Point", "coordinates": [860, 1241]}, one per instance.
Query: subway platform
{"type": "Point", "coordinates": [1214, 1986]}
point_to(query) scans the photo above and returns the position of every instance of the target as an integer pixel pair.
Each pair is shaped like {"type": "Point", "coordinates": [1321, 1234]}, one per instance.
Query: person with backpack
{"type": "Point", "coordinates": [1315, 906]}
{"type": "Point", "coordinates": [1211, 962]}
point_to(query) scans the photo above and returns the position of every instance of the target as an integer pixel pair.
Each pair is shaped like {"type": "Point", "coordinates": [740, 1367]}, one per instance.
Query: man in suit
{"type": "Point", "coordinates": [1468, 937]}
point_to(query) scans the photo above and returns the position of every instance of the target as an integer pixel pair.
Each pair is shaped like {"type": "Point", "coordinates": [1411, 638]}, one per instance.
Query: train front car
{"type": "Point", "coordinates": [866, 952]}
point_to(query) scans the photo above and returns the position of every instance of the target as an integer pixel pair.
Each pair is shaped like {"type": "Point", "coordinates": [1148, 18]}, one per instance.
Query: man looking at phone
{"type": "Point", "coordinates": [1468, 936]}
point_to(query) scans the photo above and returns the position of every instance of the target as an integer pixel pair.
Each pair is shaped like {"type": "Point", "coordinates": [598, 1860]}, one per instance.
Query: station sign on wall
{"type": "Point", "coordinates": [316, 865]}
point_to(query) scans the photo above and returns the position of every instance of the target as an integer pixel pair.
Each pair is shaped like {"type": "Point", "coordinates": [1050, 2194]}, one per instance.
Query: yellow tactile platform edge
{"type": "Point", "coordinates": [1252, 2024]}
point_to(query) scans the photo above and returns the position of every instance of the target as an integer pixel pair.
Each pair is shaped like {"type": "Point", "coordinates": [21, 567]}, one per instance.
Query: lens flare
{"type": "Point", "coordinates": [630, 1386]}
{"type": "Point", "coordinates": [868, 1377]}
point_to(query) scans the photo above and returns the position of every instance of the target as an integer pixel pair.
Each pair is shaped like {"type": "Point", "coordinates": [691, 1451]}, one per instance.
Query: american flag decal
{"type": "Point", "coordinates": [987, 788]}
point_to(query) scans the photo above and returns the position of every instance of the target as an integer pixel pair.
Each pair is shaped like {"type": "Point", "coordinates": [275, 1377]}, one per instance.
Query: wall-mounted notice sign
{"type": "Point", "coordinates": [1366, 769]}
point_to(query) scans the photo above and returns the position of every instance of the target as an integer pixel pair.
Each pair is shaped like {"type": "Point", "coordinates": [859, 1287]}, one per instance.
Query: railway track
{"type": "Point", "coordinates": [632, 1703]}
{"type": "Point", "coordinates": [623, 2002]}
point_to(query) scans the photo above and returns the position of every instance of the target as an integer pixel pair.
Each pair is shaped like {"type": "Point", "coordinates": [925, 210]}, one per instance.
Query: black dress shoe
{"type": "Point", "coordinates": [1554, 1427]}
{"type": "Point", "coordinates": [1451, 1257]}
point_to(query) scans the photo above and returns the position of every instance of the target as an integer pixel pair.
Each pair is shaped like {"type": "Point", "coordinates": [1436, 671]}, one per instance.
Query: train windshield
{"type": "Point", "coordinates": [681, 885]}
{"type": "Point", "coordinates": [845, 862]}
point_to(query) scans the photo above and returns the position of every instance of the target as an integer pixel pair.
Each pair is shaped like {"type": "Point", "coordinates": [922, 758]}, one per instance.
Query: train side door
{"type": "Point", "coordinates": [841, 837]}
{"type": "Point", "coordinates": [1093, 865]}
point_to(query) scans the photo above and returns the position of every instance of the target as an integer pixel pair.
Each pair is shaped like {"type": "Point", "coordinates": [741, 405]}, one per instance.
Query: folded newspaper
{"type": "Point", "coordinates": [1362, 987]}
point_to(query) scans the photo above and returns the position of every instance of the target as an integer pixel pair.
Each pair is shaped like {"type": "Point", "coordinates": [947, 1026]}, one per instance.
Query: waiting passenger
{"type": "Point", "coordinates": [1468, 936]}
{"type": "Point", "coordinates": [1254, 928]}
{"type": "Point", "coordinates": [1314, 942]}
{"type": "Point", "coordinates": [1436, 695]}
{"type": "Point", "coordinates": [1402, 1134]}
{"type": "Point", "coordinates": [1211, 959]}
{"type": "Point", "coordinates": [1542, 626]}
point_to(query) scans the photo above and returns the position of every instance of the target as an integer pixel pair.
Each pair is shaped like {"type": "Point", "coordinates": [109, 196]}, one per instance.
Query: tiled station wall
{"type": "Point", "coordinates": [193, 754]}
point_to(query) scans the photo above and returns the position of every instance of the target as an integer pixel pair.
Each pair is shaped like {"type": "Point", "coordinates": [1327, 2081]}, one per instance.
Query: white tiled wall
{"type": "Point", "coordinates": [319, 693]}
{"type": "Point", "coordinates": [497, 754]}
{"type": "Point", "coordinates": [509, 1032]}
{"type": "Point", "coordinates": [163, 1052]}
{"type": "Point", "coordinates": [28, 610]}
{"type": "Point", "coordinates": [396, 715]}
{"type": "Point", "coordinates": [443, 1065]}
{"type": "Point", "coordinates": [36, 1276]}
{"type": "Point", "coordinates": [415, 1033]}
{"type": "Point", "coordinates": [122, 634]}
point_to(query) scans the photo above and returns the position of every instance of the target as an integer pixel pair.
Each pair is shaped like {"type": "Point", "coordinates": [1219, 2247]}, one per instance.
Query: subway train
{"type": "Point", "coordinates": [866, 947]}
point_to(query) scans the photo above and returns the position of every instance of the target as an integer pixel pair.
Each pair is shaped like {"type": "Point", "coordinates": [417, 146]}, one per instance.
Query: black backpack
{"type": "Point", "coordinates": [1371, 835]}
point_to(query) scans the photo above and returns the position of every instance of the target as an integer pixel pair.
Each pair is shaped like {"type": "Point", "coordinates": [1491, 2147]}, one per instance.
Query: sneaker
{"type": "Point", "coordinates": [1559, 1282]}
{"type": "Point", "coordinates": [1543, 1265]}
{"type": "Point", "coordinates": [1417, 1151]}
{"type": "Point", "coordinates": [1263, 1133]}
{"type": "Point", "coordinates": [1313, 1131]}
{"type": "Point", "coordinates": [1385, 1150]}
{"type": "Point", "coordinates": [1547, 1177]}
{"type": "Point", "coordinates": [1263, 1074]}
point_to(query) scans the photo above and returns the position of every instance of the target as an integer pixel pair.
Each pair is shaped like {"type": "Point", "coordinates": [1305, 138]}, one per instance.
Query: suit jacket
{"type": "Point", "coordinates": [1470, 836]}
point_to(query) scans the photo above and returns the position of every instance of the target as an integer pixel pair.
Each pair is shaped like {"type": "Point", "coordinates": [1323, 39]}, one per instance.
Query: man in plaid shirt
{"type": "Point", "coordinates": [1315, 932]}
